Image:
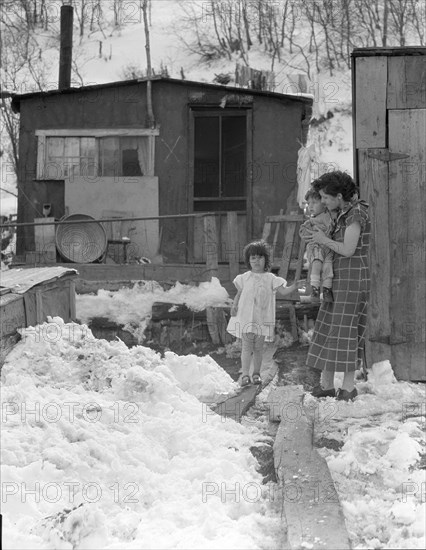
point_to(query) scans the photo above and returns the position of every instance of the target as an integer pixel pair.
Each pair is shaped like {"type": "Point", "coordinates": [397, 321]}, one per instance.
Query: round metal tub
{"type": "Point", "coordinates": [81, 243]}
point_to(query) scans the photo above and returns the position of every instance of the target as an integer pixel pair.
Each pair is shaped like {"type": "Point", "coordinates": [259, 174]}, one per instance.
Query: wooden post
{"type": "Point", "coordinates": [233, 251]}
{"type": "Point", "coordinates": [212, 265]}
{"type": "Point", "coordinates": [73, 313]}
{"type": "Point", "coordinates": [39, 305]}
{"type": "Point", "coordinates": [211, 245]}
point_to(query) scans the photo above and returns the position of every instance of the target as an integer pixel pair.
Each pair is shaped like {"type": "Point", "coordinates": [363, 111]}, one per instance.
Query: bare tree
{"type": "Point", "coordinates": [398, 10]}
{"type": "Point", "coordinates": [418, 13]}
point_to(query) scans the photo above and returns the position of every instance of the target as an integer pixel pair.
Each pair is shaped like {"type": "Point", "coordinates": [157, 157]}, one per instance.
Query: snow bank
{"type": "Point", "coordinates": [376, 472]}
{"type": "Point", "coordinates": [132, 307]}
{"type": "Point", "coordinates": [106, 447]}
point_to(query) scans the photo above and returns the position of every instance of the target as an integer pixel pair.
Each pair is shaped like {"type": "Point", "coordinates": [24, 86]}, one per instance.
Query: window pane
{"type": "Point", "coordinates": [53, 168]}
{"type": "Point", "coordinates": [72, 156]}
{"type": "Point", "coordinates": [87, 156]}
{"type": "Point", "coordinates": [134, 156]}
{"type": "Point", "coordinates": [130, 163]}
{"type": "Point", "coordinates": [206, 157]}
{"type": "Point", "coordinates": [109, 149]}
{"type": "Point", "coordinates": [234, 156]}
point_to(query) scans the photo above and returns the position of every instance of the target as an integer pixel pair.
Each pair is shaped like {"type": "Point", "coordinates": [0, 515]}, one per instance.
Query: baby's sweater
{"type": "Point", "coordinates": [320, 221]}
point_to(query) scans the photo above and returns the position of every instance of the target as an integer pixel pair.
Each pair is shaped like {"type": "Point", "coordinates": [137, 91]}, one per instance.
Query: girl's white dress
{"type": "Point", "coordinates": [256, 308]}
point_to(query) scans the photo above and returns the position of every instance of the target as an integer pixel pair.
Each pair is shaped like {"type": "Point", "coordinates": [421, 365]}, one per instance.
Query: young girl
{"type": "Point", "coordinates": [253, 310]}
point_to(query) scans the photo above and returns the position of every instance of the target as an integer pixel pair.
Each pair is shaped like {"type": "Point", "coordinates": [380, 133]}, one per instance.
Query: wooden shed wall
{"type": "Point", "coordinates": [97, 108]}
{"type": "Point", "coordinates": [390, 138]}
{"type": "Point", "coordinates": [276, 126]}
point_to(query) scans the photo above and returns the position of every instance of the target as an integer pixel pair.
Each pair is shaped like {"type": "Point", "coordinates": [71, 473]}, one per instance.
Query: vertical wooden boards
{"type": "Point", "coordinates": [374, 185]}
{"type": "Point", "coordinates": [211, 245]}
{"type": "Point", "coordinates": [73, 311]}
{"type": "Point", "coordinates": [289, 239]}
{"type": "Point", "coordinates": [238, 238]}
{"type": "Point", "coordinates": [406, 82]}
{"type": "Point", "coordinates": [233, 245]}
{"type": "Point", "coordinates": [370, 101]}
{"type": "Point", "coordinates": [407, 206]}
{"type": "Point", "coordinates": [44, 240]}
{"type": "Point", "coordinates": [12, 316]}
{"type": "Point", "coordinates": [390, 138]}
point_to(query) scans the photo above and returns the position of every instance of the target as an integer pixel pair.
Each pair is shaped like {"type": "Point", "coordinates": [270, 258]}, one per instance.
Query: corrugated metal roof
{"type": "Point", "coordinates": [20, 280]}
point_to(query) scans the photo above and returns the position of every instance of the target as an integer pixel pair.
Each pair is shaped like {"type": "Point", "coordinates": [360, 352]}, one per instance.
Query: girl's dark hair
{"type": "Point", "coordinates": [257, 248]}
{"type": "Point", "coordinates": [333, 183]}
{"type": "Point", "coordinates": [312, 194]}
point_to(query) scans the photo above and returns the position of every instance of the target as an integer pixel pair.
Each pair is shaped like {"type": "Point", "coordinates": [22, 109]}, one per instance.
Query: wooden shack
{"type": "Point", "coordinates": [29, 296]}
{"type": "Point", "coordinates": [389, 89]}
{"type": "Point", "coordinates": [212, 148]}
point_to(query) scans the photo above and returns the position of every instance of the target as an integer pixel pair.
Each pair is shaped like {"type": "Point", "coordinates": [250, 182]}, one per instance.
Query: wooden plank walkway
{"type": "Point", "coordinates": [311, 506]}
{"type": "Point", "coordinates": [235, 407]}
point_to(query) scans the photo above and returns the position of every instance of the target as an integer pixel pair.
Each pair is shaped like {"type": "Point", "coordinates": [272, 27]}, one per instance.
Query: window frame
{"type": "Point", "coordinates": [193, 110]}
{"type": "Point", "coordinates": [220, 113]}
{"type": "Point", "coordinates": [42, 136]}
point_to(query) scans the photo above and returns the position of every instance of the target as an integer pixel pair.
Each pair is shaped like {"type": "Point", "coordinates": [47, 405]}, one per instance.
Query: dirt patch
{"type": "Point", "coordinates": [329, 443]}
{"type": "Point", "coordinates": [265, 457]}
{"type": "Point", "coordinates": [292, 367]}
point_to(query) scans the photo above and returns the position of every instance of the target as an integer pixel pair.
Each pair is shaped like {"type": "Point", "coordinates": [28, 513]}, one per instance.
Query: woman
{"type": "Point", "coordinates": [339, 334]}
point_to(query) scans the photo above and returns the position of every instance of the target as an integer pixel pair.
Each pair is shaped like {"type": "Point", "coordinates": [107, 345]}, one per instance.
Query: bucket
{"type": "Point", "coordinates": [81, 243]}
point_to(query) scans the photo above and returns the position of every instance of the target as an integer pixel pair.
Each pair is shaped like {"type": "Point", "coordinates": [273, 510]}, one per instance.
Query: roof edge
{"type": "Point", "coordinates": [394, 51]}
{"type": "Point", "coordinates": [304, 98]}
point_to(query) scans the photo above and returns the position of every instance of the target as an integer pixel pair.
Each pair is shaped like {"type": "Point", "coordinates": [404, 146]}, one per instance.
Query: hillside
{"type": "Point", "coordinates": [180, 37]}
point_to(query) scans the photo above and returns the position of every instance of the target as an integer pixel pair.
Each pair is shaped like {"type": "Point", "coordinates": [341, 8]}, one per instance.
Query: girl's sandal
{"type": "Point", "coordinates": [245, 380]}
{"type": "Point", "coordinates": [256, 379]}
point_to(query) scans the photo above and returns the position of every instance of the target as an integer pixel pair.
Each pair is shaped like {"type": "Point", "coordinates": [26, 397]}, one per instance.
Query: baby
{"type": "Point", "coordinates": [319, 256]}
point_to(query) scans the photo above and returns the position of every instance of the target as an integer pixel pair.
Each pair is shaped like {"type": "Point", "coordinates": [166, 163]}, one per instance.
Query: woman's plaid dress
{"type": "Point", "coordinates": [339, 333]}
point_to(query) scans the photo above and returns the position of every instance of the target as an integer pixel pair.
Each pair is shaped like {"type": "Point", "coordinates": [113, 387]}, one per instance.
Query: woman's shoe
{"type": "Point", "coordinates": [345, 395]}
{"type": "Point", "coordinates": [256, 379]}
{"type": "Point", "coordinates": [245, 380]}
{"type": "Point", "coordinates": [318, 391]}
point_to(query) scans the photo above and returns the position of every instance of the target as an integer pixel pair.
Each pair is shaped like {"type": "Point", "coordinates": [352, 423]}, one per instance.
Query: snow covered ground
{"type": "Point", "coordinates": [379, 471]}
{"type": "Point", "coordinates": [131, 307]}
{"type": "Point", "coordinates": [106, 447]}
{"type": "Point", "coordinates": [109, 447]}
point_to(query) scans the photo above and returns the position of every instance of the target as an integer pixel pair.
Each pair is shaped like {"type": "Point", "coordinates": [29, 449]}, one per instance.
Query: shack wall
{"type": "Point", "coordinates": [276, 127]}
{"type": "Point", "coordinates": [390, 138]}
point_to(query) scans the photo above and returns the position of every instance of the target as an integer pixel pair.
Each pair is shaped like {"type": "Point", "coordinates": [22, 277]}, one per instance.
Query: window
{"type": "Point", "coordinates": [123, 156]}
{"type": "Point", "coordinates": [69, 156]}
{"type": "Point", "coordinates": [91, 153]}
{"type": "Point", "coordinates": [220, 160]}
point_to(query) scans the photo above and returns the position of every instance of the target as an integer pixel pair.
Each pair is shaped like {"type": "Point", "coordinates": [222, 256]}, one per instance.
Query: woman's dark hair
{"type": "Point", "coordinates": [257, 248]}
{"type": "Point", "coordinates": [333, 183]}
{"type": "Point", "coordinates": [312, 194]}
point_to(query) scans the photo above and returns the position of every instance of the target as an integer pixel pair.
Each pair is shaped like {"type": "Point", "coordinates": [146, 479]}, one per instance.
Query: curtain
{"type": "Point", "coordinates": [143, 155]}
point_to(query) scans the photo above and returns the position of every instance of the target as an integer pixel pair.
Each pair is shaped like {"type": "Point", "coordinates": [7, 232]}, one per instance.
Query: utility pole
{"type": "Point", "coordinates": [150, 113]}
